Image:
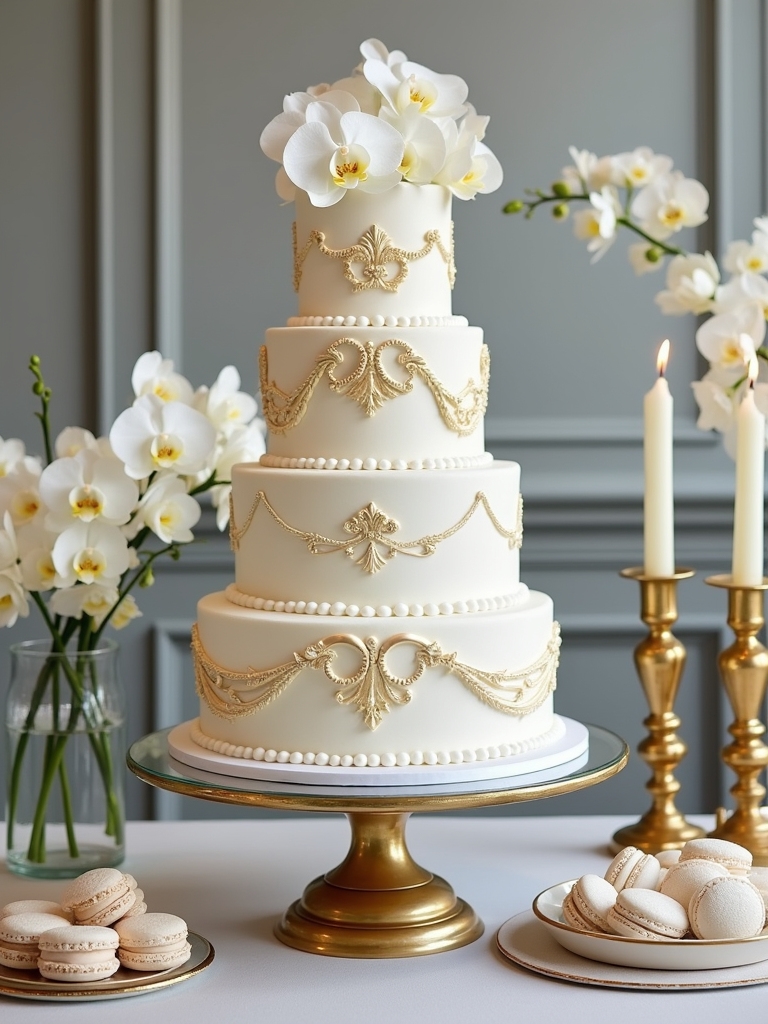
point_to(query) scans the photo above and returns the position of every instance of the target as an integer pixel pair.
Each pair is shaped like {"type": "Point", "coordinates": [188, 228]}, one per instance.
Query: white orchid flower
{"type": "Point", "coordinates": [90, 553]}
{"type": "Point", "coordinates": [691, 285]}
{"type": "Point", "coordinates": [13, 600]}
{"type": "Point", "coordinates": [374, 49]}
{"type": "Point", "coordinates": [334, 152]}
{"type": "Point", "coordinates": [717, 405]}
{"type": "Point", "coordinates": [470, 167]}
{"type": "Point", "coordinates": [167, 510]}
{"type": "Point", "coordinates": [12, 454]}
{"type": "Point", "coordinates": [87, 487]}
{"type": "Point", "coordinates": [20, 492]}
{"type": "Point", "coordinates": [743, 256]}
{"type": "Point", "coordinates": [404, 84]}
{"type": "Point", "coordinates": [742, 290]}
{"type": "Point", "coordinates": [93, 599]}
{"type": "Point", "coordinates": [127, 611]}
{"type": "Point", "coordinates": [729, 340]}
{"type": "Point", "coordinates": [425, 146]}
{"type": "Point", "coordinates": [245, 445]}
{"type": "Point", "coordinates": [153, 375]}
{"type": "Point", "coordinates": [153, 435]}
{"type": "Point", "coordinates": [640, 167]}
{"type": "Point", "coordinates": [9, 550]}
{"type": "Point", "coordinates": [275, 136]}
{"type": "Point", "coordinates": [597, 225]}
{"type": "Point", "coordinates": [638, 258]}
{"type": "Point", "coordinates": [671, 202]}
{"type": "Point", "coordinates": [588, 173]}
{"type": "Point", "coordinates": [224, 404]}
{"type": "Point", "coordinates": [72, 440]}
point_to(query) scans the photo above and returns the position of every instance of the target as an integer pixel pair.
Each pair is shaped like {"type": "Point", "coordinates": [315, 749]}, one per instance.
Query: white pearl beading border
{"type": "Point", "coordinates": [370, 464]}
{"type": "Point", "coordinates": [378, 320]}
{"type": "Point", "coordinates": [389, 759]}
{"type": "Point", "coordinates": [505, 602]}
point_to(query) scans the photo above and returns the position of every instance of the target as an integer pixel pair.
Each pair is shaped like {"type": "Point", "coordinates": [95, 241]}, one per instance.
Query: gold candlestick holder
{"type": "Point", "coordinates": [660, 659]}
{"type": "Point", "coordinates": [744, 669]}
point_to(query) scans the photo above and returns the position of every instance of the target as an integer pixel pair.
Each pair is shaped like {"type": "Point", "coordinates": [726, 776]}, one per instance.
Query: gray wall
{"type": "Point", "coordinates": [136, 210]}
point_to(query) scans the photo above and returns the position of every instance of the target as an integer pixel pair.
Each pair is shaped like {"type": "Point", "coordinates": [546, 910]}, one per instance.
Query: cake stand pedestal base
{"type": "Point", "coordinates": [379, 902]}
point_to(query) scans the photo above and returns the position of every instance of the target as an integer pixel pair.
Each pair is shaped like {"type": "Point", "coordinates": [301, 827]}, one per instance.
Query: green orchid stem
{"type": "Point", "coordinates": [670, 250]}
{"type": "Point", "coordinates": [53, 762]}
{"type": "Point", "coordinates": [69, 818]}
{"type": "Point", "coordinates": [625, 220]}
{"type": "Point", "coordinates": [124, 593]}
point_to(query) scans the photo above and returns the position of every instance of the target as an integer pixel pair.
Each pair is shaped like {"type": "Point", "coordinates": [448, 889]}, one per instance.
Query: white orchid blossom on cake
{"type": "Point", "coordinates": [79, 534]}
{"type": "Point", "coordinates": [641, 191]}
{"type": "Point", "coordinates": [392, 120]}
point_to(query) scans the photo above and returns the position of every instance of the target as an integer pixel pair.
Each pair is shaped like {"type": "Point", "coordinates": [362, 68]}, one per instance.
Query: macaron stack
{"type": "Point", "coordinates": [100, 924]}
{"type": "Point", "coordinates": [704, 891]}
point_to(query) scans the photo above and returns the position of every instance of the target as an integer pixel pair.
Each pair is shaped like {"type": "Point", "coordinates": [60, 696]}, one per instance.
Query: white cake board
{"type": "Point", "coordinates": [571, 749]}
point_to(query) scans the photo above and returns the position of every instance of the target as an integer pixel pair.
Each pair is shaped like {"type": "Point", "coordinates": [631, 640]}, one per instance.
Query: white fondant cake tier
{"type": "Point", "coordinates": [403, 219]}
{"type": "Point", "coordinates": [360, 538]}
{"type": "Point", "coordinates": [244, 654]}
{"type": "Point", "coordinates": [374, 392]}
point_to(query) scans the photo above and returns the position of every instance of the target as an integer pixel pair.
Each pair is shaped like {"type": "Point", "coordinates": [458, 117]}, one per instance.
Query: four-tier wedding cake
{"type": "Point", "coordinates": [377, 618]}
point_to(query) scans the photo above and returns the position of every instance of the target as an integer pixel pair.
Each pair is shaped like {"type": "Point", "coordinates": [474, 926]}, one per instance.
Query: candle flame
{"type": "Point", "coordinates": [663, 357]}
{"type": "Point", "coordinates": [753, 369]}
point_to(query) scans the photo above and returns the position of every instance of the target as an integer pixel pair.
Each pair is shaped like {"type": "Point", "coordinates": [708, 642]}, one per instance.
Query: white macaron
{"type": "Point", "coordinates": [735, 858]}
{"type": "Point", "coordinates": [646, 914]}
{"type": "Point", "coordinates": [587, 904]}
{"type": "Point", "coordinates": [688, 876]}
{"type": "Point", "coordinates": [728, 907]}
{"type": "Point", "coordinates": [633, 869]}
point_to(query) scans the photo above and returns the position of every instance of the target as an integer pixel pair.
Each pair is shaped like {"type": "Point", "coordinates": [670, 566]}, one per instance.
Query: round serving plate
{"type": "Point", "coordinates": [527, 943]}
{"type": "Point", "coordinates": [122, 984]}
{"type": "Point", "coordinates": [648, 954]}
{"type": "Point", "coordinates": [567, 753]}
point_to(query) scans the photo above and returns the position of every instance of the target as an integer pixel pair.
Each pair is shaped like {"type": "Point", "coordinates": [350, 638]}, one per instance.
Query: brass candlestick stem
{"type": "Point", "coordinates": [744, 668]}
{"type": "Point", "coordinates": [660, 659]}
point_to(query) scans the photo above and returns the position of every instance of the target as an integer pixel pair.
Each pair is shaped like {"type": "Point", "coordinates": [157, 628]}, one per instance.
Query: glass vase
{"type": "Point", "coordinates": [65, 810]}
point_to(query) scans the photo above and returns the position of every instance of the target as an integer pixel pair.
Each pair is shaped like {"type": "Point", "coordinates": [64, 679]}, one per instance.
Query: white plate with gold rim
{"type": "Point", "coordinates": [662, 954]}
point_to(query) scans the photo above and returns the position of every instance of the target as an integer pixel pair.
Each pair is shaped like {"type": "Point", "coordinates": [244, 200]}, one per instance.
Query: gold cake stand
{"type": "Point", "coordinates": [378, 902]}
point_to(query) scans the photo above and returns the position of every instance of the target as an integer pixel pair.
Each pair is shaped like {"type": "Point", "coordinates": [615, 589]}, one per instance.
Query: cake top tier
{"type": "Point", "coordinates": [390, 121]}
{"type": "Point", "coordinates": [376, 255]}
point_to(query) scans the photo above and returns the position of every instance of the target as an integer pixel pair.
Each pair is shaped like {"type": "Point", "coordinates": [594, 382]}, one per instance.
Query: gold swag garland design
{"type": "Point", "coordinates": [373, 687]}
{"type": "Point", "coordinates": [373, 528]}
{"type": "Point", "coordinates": [369, 384]}
{"type": "Point", "coordinates": [374, 252]}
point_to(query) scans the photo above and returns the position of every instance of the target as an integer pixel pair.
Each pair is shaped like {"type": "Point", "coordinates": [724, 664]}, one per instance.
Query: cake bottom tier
{"type": "Point", "coordinates": [330, 690]}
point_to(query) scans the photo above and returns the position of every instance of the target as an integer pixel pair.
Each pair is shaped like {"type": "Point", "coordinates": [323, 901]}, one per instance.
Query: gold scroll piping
{"type": "Point", "coordinates": [374, 529]}
{"type": "Point", "coordinates": [373, 687]}
{"type": "Point", "coordinates": [370, 385]}
{"type": "Point", "coordinates": [374, 253]}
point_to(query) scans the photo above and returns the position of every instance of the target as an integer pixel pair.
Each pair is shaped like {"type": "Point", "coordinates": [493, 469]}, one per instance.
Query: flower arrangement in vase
{"type": "Point", "coordinates": [81, 531]}
{"type": "Point", "coordinates": [641, 192]}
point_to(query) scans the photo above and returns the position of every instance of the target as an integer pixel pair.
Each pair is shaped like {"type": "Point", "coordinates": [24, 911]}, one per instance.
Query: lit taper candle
{"type": "Point", "coordinates": [658, 505]}
{"type": "Point", "coordinates": [748, 512]}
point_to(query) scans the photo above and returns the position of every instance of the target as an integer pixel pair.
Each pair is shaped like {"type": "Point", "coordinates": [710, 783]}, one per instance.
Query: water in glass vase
{"type": "Point", "coordinates": [65, 761]}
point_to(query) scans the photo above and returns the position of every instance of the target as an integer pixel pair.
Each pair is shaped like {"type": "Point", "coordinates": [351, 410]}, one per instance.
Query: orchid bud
{"type": "Point", "coordinates": [147, 577]}
{"type": "Point", "coordinates": [560, 188]}
{"type": "Point", "coordinates": [653, 254]}
{"type": "Point", "coordinates": [514, 206]}
{"type": "Point", "coordinates": [561, 211]}
{"type": "Point", "coordinates": [38, 387]}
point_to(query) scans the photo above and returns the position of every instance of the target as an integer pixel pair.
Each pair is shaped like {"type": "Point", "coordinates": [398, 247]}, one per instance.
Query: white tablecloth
{"type": "Point", "coordinates": [232, 880]}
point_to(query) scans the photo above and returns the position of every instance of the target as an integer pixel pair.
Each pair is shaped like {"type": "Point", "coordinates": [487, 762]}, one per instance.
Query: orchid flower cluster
{"type": "Point", "coordinates": [641, 191]}
{"type": "Point", "coordinates": [83, 525]}
{"type": "Point", "coordinates": [392, 120]}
